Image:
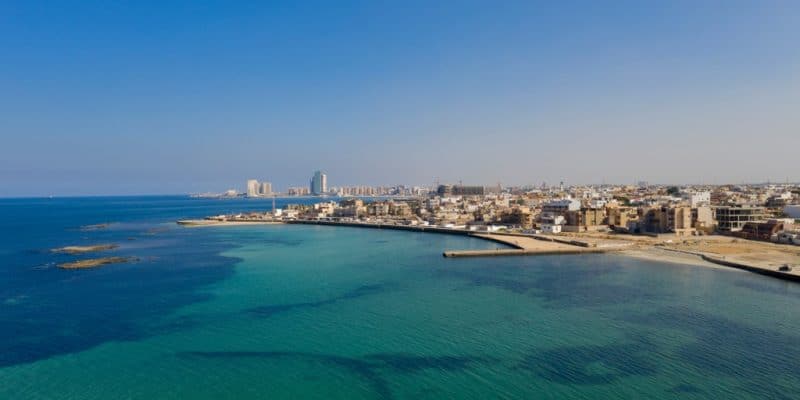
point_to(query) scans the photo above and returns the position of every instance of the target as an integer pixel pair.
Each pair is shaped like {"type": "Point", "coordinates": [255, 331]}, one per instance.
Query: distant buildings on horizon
{"type": "Point", "coordinates": [256, 189]}
{"type": "Point", "coordinates": [319, 184]}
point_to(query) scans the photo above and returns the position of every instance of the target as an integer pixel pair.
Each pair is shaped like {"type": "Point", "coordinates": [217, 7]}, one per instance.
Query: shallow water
{"type": "Point", "coordinates": [327, 312]}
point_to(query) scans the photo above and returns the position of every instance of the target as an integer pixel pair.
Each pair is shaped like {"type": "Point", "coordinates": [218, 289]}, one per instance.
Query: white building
{"type": "Point", "coordinates": [697, 199]}
{"type": "Point", "coordinates": [552, 224]}
{"type": "Point", "coordinates": [252, 188]}
{"type": "Point", "coordinates": [266, 189]}
{"type": "Point", "coordinates": [598, 203]}
{"type": "Point", "coordinates": [557, 207]}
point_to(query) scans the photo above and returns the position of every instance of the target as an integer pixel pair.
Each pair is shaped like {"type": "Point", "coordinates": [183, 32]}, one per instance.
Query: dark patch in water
{"type": "Point", "coordinates": [772, 286]}
{"type": "Point", "coordinates": [72, 311]}
{"type": "Point", "coordinates": [562, 285]}
{"type": "Point", "coordinates": [685, 389]}
{"type": "Point", "coordinates": [370, 367]}
{"type": "Point", "coordinates": [282, 242]}
{"type": "Point", "coordinates": [576, 365]}
{"type": "Point", "coordinates": [729, 348]}
{"type": "Point", "coordinates": [361, 291]}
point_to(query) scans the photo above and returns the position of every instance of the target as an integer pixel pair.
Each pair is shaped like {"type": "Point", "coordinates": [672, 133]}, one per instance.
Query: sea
{"type": "Point", "coordinates": [320, 312]}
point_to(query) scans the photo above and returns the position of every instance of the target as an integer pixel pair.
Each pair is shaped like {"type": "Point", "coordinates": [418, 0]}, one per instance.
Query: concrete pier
{"type": "Point", "coordinates": [517, 252]}
{"type": "Point", "coordinates": [523, 246]}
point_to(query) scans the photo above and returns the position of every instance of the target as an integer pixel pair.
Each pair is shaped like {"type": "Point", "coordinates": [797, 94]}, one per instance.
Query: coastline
{"type": "Point", "coordinates": [196, 223]}
{"type": "Point", "coordinates": [656, 254]}
{"type": "Point", "coordinates": [532, 245]}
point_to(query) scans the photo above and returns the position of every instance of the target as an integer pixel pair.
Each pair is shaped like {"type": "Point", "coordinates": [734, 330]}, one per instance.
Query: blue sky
{"type": "Point", "coordinates": [175, 97]}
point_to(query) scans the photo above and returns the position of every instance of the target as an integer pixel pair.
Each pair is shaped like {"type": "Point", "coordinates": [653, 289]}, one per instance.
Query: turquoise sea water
{"type": "Point", "coordinates": [324, 312]}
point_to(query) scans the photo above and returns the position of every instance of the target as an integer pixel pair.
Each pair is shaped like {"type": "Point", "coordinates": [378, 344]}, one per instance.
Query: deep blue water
{"type": "Point", "coordinates": [56, 311]}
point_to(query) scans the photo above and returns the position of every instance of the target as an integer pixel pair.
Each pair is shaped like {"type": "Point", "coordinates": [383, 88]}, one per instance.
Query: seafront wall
{"type": "Point", "coordinates": [518, 252]}
{"type": "Point", "coordinates": [519, 244]}
{"type": "Point", "coordinates": [747, 267]}
{"type": "Point", "coordinates": [753, 268]}
{"type": "Point", "coordinates": [462, 232]}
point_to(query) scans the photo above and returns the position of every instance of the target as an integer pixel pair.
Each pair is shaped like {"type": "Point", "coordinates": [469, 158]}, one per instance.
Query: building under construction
{"type": "Point", "coordinates": [460, 190]}
{"type": "Point", "coordinates": [733, 218]}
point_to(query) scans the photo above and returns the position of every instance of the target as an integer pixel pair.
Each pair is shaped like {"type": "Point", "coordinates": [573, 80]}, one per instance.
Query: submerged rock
{"type": "Point", "coordinates": [96, 262]}
{"type": "Point", "coordinates": [85, 249]}
{"type": "Point", "coordinates": [95, 227]}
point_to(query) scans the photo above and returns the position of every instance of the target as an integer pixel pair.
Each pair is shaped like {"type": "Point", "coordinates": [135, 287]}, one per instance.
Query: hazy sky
{"type": "Point", "coordinates": [163, 97]}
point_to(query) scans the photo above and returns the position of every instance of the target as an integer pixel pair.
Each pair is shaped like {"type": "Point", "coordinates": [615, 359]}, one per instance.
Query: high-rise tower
{"type": "Point", "coordinates": [319, 183]}
{"type": "Point", "coordinates": [252, 188]}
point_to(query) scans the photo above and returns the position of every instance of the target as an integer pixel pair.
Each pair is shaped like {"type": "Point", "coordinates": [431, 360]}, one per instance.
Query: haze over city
{"type": "Point", "coordinates": [106, 99]}
{"type": "Point", "coordinates": [399, 200]}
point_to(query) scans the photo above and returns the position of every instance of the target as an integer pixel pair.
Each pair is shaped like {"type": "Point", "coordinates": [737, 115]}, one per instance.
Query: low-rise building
{"type": "Point", "coordinates": [585, 220]}
{"type": "Point", "coordinates": [733, 218]}
{"type": "Point", "coordinates": [560, 207]}
{"type": "Point", "coordinates": [619, 217]}
{"type": "Point", "coordinates": [552, 223]}
{"type": "Point", "coordinates": [764, 230]}
{"type": "Point", "coordinates": [520, 216]}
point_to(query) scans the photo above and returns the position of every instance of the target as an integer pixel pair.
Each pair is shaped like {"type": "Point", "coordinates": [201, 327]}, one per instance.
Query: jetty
{"type": "Point", "coordinates": [520, 244]}
{"type": "Point", "coordinates": [526, 245]}
{"type": "Point", "coordinates": [216, 222]}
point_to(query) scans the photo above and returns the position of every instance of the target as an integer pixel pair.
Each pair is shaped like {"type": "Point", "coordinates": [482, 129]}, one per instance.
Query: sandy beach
{"type": "Point", "coordinates": [662, 255]}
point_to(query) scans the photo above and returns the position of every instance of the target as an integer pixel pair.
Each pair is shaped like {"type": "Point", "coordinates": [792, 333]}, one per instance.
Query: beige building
{"type": "Point", "coordinates": [252, 188]}
{"type": "Point", "coordinates": [519, 215]}
{"type": "Point", "coordinates": [621, 216]}
{"type": "Point", "coordinates": [681, 221]}
{"type": "Point", "coordinates": [266, 189]}
{"type": "Point", "coordinates": [585, 220]}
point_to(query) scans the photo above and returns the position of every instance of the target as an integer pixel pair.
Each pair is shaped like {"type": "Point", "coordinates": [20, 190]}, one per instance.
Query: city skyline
{"type": "Point", "coordinates": [417, 199]}
{"type": "Point", "coordinates": [121, 100]}
{"type": "Point", "coordinates": [256, 188]}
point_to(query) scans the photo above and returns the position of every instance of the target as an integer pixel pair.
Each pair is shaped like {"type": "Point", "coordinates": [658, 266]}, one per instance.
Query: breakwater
{"type": "Point", "coordinates": [520, 244]}
{"type": "Point", "coordinates": [753, 268]}
{"type": "Point", "coordinates": [518, 252]}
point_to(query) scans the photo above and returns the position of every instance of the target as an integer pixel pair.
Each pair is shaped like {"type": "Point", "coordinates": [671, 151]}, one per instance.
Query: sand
{"type": "Point", "coordinates": [661, 255]}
